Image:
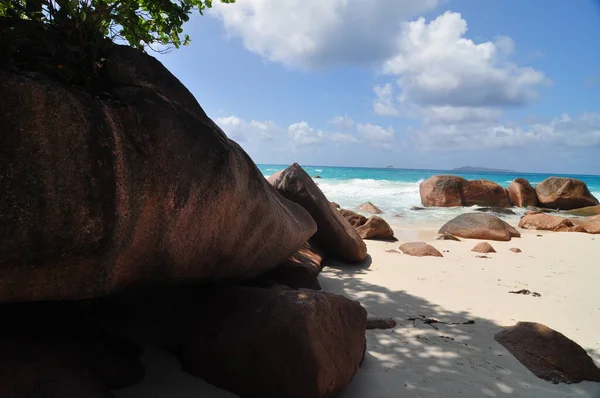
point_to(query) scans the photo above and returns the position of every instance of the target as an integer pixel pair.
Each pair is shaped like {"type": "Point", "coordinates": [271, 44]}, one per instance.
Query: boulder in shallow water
{"type": "Point", "coordinates": [564, 194]}
{"type": "Point", "coordinates": [375, 228]}
{"type": "Point", "coordinates": [483, 247]}
{"type": "Point", "coordinates": [139, 186]}
{"type": "Point", "coordinates": [479, 226]}
{"type": "Point", "coordinates": [452, 191]}
{"type": "Point", "coordinates": [355, 219]}
{"type": "Point", "coordinates": [270, 342]}
{"type": "Point", "coordinates": [521, 193]}
{"type": "Point", "coordinates": [334, 233]}
{"type": "Point", "coordinates": [420, 249]}
{"type": "Point", "coordinates": [548, 354]}
{"type": "Point", "coordinates": [369, 207]}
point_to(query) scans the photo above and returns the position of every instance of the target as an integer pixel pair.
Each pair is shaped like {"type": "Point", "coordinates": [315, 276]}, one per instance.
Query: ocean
{"type": "Point", "coordinates": [395, 191]}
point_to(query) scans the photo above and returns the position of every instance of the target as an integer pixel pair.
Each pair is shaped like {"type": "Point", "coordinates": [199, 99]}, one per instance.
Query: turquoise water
{"type": "Point", "coordinates": [395, 191]}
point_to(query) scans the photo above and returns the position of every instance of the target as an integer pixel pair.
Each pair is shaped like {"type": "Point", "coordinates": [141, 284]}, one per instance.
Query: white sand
{"type": "Point", "coordinates": [454, 361]}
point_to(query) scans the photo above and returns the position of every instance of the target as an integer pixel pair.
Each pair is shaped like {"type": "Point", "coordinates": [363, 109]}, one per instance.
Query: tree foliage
{"type": "Point", "coordinates": [141, 23]}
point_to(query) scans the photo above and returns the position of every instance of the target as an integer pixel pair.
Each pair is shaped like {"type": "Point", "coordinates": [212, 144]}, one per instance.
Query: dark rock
{"type": "Point", "coordinates": [483, 247]}
{"type": "Point", "coordinates": [334, 233]}
{"type": "Point", "coordinates": [521, 193]}
{"type": "Point", "coordinates": [479, 226]}
{"type": "Point", "coordinates": [380, 323]}
{"type": "Point", "coordinates": [548, 354]}
{"type": "Point", "coordinates": [270, 342]}
{"type": "Point", "coordinates": [420, 249]}
{"type": "Point", "coordinates": [375, 228]}
{"type": "Point", "coordinates": [355, 219]}
{"type": "Point", "coordinates": [316, 176]}
{"type": "Point", "coordinates": [100, 194]}
{"type": "Point", "coordinates": [564, 194]}
{"type": "Point", "coordinates": [417, 208]}
{"type": "Point", "coordinates": [300, 270]}
{"type": "Point", "coordinates": [498, 210]}
{"type": "Point", "coordinates": [448, 237]}
{"type": "Point", "coordinates": [369, 207]}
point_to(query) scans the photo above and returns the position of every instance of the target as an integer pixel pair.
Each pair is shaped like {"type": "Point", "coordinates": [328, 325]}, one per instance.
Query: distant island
{"type": "Point", "coordinates": [482, 169]}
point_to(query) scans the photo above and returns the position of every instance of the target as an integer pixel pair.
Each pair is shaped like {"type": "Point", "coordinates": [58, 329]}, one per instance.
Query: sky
{"type": "Point", "coordinates": [433, 84]}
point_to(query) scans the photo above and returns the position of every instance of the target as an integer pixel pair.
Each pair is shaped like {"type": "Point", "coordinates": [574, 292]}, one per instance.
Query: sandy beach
{"type": "Point", "coordinates": [416, 360]}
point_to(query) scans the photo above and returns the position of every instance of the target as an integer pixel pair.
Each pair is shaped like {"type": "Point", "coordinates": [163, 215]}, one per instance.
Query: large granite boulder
{"type": "Point", "coordinates": [270, 342]}
{"type": "Point", "coordinates": [355, 219]}
{"type": "Point", "coordinates": [101, 192]}
{"type": "Point", "coordinates": [334, 233]}
{"type": "Point", "coordinates": [375, 228]}
{"type": "Point", "coordinates": [300, 270]}
{"type": "Point", "coordinates": [548, 354]}
{"type": "Point", "coordinates": [452, 191]}
{"type": "Point", "coordinates": [521, 193]}
{"type": "Point", "coordinates": [564, 193]}
{"type": "Point", "coordinates": [546, 222]}
{"type": "Point", "coordinates": [479, 226]}
{"type": "Point", "coordinates": [590, 224]}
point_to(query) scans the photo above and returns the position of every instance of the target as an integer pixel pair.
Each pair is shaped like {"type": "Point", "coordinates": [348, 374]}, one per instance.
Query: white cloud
{"type": "Point", "coordinates": [564, 131]}
{"type": "Point", "coordinates": [342, 122]}
{"type": "Point", "coordinates": [303, 134]}
{"type": "Point", "coordinates": [343, 138]}
{"type": "Point", "coordinates": [437, 66]}
{"type": "Point", "coordinates": [371, 132]}
{"type": "Point", "coordinates": [239, 130]}
{"type": "Point", "coordinates": [384, 103]}
{"type": "Point", "coordinates": [319, 33]}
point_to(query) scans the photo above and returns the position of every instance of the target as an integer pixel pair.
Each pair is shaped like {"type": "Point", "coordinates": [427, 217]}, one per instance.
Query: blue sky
{"type": "Point", "coordinates": [414, 84]}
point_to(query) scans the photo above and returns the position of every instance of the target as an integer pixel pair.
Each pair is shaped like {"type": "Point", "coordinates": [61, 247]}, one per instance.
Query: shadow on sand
{"type": "Point", "coordinates": [417, 360]}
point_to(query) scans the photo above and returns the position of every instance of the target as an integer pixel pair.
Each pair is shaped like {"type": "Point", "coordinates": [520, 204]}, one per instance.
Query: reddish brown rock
{"type": "Point", "coordinates": [548, 354]}
{"type": "Point", "coordinates": [270, 342]}
{"type": "Point", "coordinates": [564, 194]}
{"type": "Point", "coordinates": [375, 228]}
{"type": "Point", "coordinates": [521, 193]}
{"type": "Point", "coordinates": [369, 207]}
{"type": "Point", "coordinates": [337, 206]}
{"type": "Point", "coordinates": [479, 226]}
{"type": "Point", "coordinates": [591, 225]}
{"type": "Point", "coordinates": [141, 185]}
{"type": "Point", "coordinates": [355, 219]}
{"type": "Point", "coordinates": [450, 191]}
{"type": "Point", "coordinates": [546, 222]}
{"type": "Point", "coordinates": [483, 247]}
{"type": "Point", "coordinates": [515, 250]}
{"type": "Point", "coordinates": [300, 270]}
{"type": "Point", "coordinates": [419, 249]}
{"type": "Point", "coordinates": [334, 233]}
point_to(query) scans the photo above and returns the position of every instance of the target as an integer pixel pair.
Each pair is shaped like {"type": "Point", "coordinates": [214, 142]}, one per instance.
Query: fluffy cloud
{"type": "Point", "coordinates": [302, 134]}
{"type": "Point", "coordinates": [371, 132]}
{"type": "Point", "coordinates": [241, 131]}
{"type": "Point", "coordinates": [319, 33]}
{"type": "Point", "coordinates": [564, 131]}
{"type": "Point", "coordinates": [342, 122]}
{"type": "Point", "coordinates": [437, 66]}
{"type": "Point", "coordinates": [384, 104]}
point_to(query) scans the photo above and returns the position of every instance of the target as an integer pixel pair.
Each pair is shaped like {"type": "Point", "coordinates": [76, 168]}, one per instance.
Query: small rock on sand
{"type": "Point", "coordinates": [515, 250]}
{"type": "Point", "coordinates": [420, 249]}
{"type": "Point", "coordinates": [483, 247]}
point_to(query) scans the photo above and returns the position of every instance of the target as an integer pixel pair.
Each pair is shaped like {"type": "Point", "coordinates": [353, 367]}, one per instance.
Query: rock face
{"type": "Point", "coordinates": [479, 226]}
{"type": "Point", "coordinates": [548, 354]}
{"type": "Point", "coordinates": [419, 249]}
{"type": "Point", "coordinates": [334, 233]}
{"type": "Point", "coordinates": [301, 269]}
{"type": "Point", "coordinates": [369, 207]}
{"type": "Point", "coordinates": [483, 247]}
{"type": "Point", "coordinates": [564, 194]}
{"type": "Point", "coordinates": [521, 193]}
{"type": "Point", "coordinates": [375, 228]}
{"type": "Point", "coordinates": [271, 342]}
{"type": "Point", "coordinates": [546, 222]}
{"type": "Point", "coordinates": [355, 219]}
{"type": "Point", "coordinates": [141, 185]}
{"type": "Point", "coordinates": [450, 191]}
{"type": "Point", "coordinates": [591, 225]}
